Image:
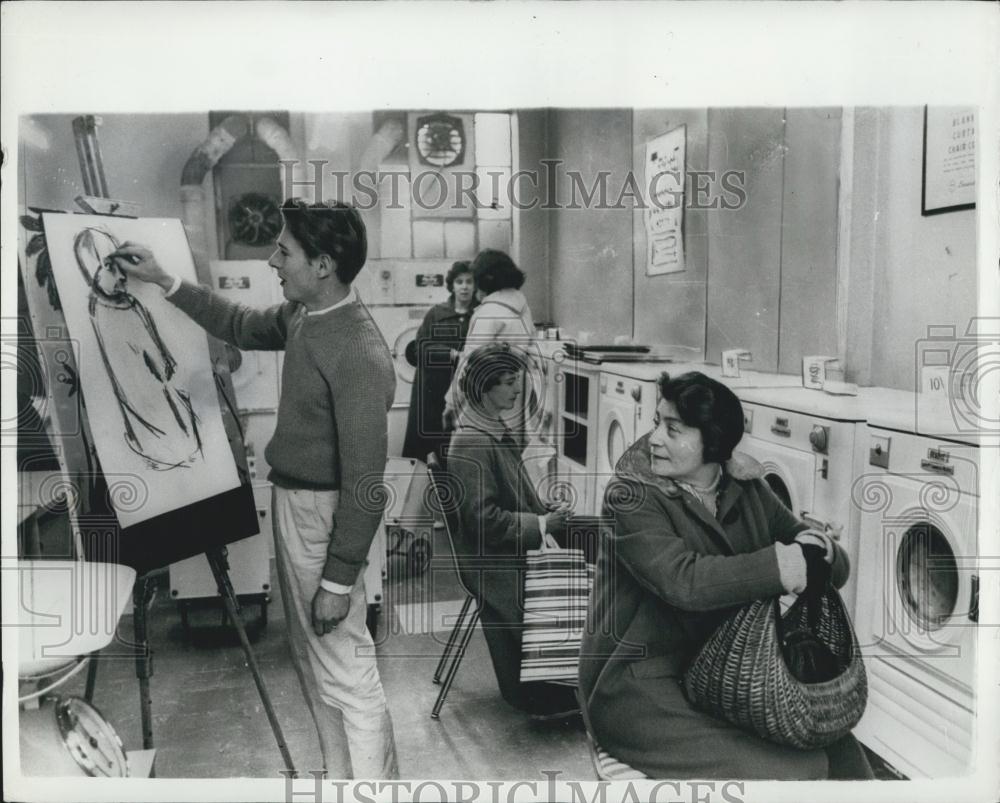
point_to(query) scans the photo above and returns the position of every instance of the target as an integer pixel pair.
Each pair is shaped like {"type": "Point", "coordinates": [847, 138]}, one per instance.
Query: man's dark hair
{"type": "Point", "coordinates": [332, 228]}
{"type": "Point", "coordinates": [494, 270]}
{"type": "Point", "coordinates": [710, 406]}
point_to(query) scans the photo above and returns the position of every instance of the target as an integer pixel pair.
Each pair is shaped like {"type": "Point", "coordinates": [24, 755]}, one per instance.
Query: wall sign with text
{"type": "Point", "coordinates": [949, 159]}
{"type": "Point", "coordinates": [664, 214]}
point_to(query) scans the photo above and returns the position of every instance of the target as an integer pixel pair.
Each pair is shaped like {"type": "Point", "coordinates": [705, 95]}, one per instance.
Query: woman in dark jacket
{"type": "Point", "coordinates": [697, 534]}
{"type": "Point", "coordinates": [501, 518]}
{"type": "Point", "coordinates": [434, 352]}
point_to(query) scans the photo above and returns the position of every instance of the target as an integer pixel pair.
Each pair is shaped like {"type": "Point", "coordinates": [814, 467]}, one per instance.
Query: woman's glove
{"type": "Point", "coordinates": [822, 539]}
{"type": "Point", "coordinates": [817, 580]}
{"type": "Point", "coordinates": [817, 568]}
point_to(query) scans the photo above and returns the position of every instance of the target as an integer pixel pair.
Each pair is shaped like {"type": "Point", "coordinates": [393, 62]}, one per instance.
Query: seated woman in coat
{"type": "Point", "coordinates": [663, 584]}
{"type": "Point", "coordinates": [501, 518]}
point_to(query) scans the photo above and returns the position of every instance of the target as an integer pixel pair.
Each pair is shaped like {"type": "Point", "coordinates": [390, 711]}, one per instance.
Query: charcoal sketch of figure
{"type": "Point", "coordinates": [160, 423]}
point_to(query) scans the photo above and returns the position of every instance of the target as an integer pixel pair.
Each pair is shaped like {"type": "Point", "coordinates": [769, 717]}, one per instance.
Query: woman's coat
{"type": "Point", "coordinates": [498, 510]}
{"type": "Point", "coordinates": [442, 330]}
{"type": "Point", "coordinates": [663, 583]}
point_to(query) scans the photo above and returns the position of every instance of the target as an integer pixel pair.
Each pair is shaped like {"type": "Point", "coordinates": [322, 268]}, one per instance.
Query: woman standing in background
{"type": "Point", "coordinates": [503, 316]}
{"type": "Point", "coordinates": [434, 352]}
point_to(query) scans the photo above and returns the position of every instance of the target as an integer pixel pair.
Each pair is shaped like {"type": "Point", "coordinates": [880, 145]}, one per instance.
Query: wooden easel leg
{"type": "Point", "coordinates": [220, 568]}
{"type": "Point", "coordinates": [88, 693]}
{"type": "Point", "coordinates": [141, 594]}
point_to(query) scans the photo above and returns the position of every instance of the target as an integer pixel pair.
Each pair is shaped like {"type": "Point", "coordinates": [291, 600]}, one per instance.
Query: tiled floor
{"type": "Point", "coordinates": [208, 721]}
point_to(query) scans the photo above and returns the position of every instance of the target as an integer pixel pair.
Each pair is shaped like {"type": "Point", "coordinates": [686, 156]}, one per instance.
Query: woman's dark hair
{"type": "Point", "coordinates": [457, 269]}
{"type": "Point", "coordinates": [494, 270]}
{"type": "Point", "coordinates": [332, 228]}
{"type": "Point", "coordinates": [710, 406]}
{"type": "Point", "coordinates": [486, 367]}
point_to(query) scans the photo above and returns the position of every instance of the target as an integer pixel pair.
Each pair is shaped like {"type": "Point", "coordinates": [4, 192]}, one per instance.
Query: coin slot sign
{"type": "Point", "coordinates": [878, 452]}
{"type": "Point", "coordinates": [934, 380]}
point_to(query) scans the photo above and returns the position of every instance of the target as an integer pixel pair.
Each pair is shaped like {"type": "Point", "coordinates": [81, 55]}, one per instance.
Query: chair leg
{"type": "Point", "coordinates": [466, 636]}
{"type": "Point", "coordinates": [452, 638]}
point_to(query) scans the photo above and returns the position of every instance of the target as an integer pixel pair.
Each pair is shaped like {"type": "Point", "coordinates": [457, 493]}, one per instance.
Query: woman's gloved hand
{"type": "Point", "coordinates": [817, 568]}
{"type": "Point", "coordinates": [817, 578]}
{"type": "Point", "coordinates": [817, 549]}
{"type": "Point", "coordinates": [822, 539]}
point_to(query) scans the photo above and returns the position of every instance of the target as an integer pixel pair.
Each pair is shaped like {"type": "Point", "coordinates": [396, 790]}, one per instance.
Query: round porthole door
{"type": "Point", "coordinates": [616, 442]}
{"type": "Point", "coordinates": [927, 576]}
{"type": "Point", "coordinates": [780, 488]}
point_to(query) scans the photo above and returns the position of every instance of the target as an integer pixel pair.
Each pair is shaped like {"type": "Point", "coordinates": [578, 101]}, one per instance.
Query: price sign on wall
{"type": "Point", "coordinates": [664, 213]}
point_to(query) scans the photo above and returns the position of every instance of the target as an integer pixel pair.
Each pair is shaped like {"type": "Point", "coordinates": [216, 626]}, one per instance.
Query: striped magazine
{"type": "Point", "coordinates": [556, 588]}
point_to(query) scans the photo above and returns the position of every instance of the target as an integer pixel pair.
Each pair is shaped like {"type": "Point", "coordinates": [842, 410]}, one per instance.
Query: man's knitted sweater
{"type": "Point", "coordinates": [337, 385]}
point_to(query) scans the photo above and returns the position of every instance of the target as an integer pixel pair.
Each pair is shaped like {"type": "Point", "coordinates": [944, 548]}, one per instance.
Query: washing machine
{"type": "Point", "coordinates": [398, 294]}
{"type": "Point", "coordinates": [627, 398]}
{"type": "Point", "coordinates": [257, 376]}
{"type": "Point", "coordinates": [918, 598]}
{"type": "Point", "coordinates": [811, 445]}
{"type": "Point", "coordinates": [540, 451]}
{"type": "Point", "coordinates": [746, 379]}
{"type": "Point", "coordinates": [575, 384]}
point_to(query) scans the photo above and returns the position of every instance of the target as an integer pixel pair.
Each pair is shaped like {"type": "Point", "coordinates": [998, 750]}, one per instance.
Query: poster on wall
{"type": "Point", "coordinates": [144, 366]}
{"type": "Point", "coordinates": [949, 181]}
{"type": "Point", "coordinates": [664, 213]}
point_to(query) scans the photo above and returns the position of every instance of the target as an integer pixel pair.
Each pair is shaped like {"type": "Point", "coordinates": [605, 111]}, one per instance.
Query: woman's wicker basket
{"type": "Point", "coordinates": [740, 674]}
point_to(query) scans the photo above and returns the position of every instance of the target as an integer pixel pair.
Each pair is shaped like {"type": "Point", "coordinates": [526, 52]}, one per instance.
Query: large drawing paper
{"type": "Point", "coordinates": [144, 366]}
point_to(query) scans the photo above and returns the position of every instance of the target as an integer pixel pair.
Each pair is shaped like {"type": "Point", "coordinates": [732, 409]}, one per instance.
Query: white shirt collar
{"type": "Point", "coordinates": [351, 296]}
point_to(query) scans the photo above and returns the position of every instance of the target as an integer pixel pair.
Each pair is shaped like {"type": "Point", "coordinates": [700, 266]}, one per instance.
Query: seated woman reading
{"type": "Point", "coordinates": [663, 584]}
{"type": "Point", "coordinates": [501, 518]}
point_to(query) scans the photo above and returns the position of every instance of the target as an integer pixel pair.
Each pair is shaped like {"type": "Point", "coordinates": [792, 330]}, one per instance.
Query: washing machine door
{"type": "Point", "coordinates": [616, 441]}
{"type": "Point", "coordinates": [615, 434]}
{"type": "Point", "coordinates": [926, 600]}
{"type": "Point", "coordinates": [399, 326]}
{"type": "Point", "coordinates": [789, 472]}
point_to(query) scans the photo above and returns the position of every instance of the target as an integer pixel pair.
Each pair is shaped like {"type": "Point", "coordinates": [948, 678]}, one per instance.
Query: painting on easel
{"type": "Point", "coordinates": [144, 366]}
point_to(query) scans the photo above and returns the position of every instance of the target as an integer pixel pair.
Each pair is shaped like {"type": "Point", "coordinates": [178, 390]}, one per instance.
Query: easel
{"type": "Point", "coordinates": [98, 201]}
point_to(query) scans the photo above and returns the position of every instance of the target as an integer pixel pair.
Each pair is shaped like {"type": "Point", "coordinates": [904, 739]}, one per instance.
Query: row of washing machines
{"type": "Point", "coordinates": [902, 501]}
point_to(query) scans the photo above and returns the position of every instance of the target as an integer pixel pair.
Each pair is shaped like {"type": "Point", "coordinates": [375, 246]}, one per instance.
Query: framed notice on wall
{"type": "Point", "coordinates": [949, 181]}
{"type": "Point", "coordinates": [664, 213]}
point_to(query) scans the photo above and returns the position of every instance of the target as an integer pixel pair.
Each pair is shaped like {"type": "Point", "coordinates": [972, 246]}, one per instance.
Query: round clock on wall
{"type": "Point", "coordinates": [440, 140]}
